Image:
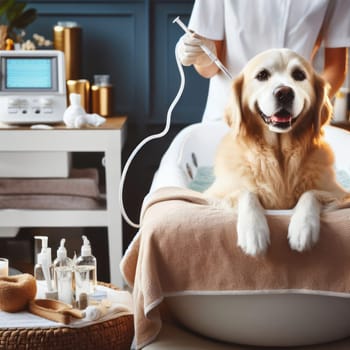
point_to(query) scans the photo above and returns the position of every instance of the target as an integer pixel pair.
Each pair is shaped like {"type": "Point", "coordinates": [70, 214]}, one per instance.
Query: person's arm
{"type": "Point", "coordinates": [210, 70]}
{"type": "Point", "coordinates": [335, 68]}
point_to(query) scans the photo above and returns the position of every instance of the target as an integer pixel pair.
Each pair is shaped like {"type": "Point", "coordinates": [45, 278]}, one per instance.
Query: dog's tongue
{"type": "Point", "coordinates": [281, 119]}
{"type": "Point", "coordinates": [282, 116]}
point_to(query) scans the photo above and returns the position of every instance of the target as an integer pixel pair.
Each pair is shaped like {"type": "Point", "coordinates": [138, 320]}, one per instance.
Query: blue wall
{"type": "Point", "coordinates": [134, 42]}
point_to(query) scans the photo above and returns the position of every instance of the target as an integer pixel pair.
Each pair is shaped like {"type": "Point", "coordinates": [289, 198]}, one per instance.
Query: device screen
{"type": "Point", "coordinates": [29, 73]}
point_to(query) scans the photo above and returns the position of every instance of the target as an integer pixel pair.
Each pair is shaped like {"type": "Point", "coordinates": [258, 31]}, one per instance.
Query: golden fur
{"type": "Point", "coordinates": [278, 166]}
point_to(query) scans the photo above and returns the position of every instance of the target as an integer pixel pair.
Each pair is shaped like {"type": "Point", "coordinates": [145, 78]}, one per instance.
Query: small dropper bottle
{"type": "Point", "coordinates": [63, 271]}
{"type": "Point", "coordinates": [85, 271]}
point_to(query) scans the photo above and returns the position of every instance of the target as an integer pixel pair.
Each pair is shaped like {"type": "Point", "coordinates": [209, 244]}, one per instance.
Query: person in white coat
{"type": "Point", "coordinates": [237, 30]}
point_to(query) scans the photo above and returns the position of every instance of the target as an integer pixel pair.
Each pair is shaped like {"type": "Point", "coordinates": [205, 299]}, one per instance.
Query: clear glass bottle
{"type": "Point", "coordinates": [63, 272]}
{"type": "Point", "coordinates": [85, 271]}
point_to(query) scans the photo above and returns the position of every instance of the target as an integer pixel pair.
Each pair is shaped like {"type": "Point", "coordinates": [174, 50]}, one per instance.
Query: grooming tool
{"type": "Point", "coordinates": [54, 310]}
{"type": "Point", "coordinates": [164, 131]}
{"type": "Point", "coordinates": [209, 53]}
{"type": "Point", "coordinates": [148, 139]}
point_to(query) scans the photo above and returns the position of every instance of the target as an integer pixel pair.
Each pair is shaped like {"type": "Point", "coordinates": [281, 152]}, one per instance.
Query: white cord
{"type": "Point", "coordinates": [148, 139]}
{"type": "Point", "coordinates": [168, 119]}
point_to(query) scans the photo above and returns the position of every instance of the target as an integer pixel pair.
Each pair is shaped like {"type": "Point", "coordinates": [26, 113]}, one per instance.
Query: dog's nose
{"type": "Point", "coordinates": [284, 94]}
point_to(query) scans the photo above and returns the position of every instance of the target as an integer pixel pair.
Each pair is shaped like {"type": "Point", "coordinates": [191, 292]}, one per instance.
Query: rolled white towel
{"type": "Point", "coordinates": [76, 117]}
{"type": "Point", "coordinates": [95, 312]}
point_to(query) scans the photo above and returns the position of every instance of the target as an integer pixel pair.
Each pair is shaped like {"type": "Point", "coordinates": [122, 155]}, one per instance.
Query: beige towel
{"type": "Point", "coordinates": [186, 245]}
{"type": "Point", "coordinates": [81, 182]}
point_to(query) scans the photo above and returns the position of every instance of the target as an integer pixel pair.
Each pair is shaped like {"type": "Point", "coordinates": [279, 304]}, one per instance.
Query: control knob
{"type": "Point", "coordinates": [13, 102]}
{"type": "Point", "coordinates": [45, 102]}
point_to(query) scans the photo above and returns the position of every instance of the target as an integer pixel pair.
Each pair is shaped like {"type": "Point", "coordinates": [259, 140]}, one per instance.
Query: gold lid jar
{"type": "Point", "coordinates": [101, 95]}
{"type": "Point", "coordinates": [81, 87]}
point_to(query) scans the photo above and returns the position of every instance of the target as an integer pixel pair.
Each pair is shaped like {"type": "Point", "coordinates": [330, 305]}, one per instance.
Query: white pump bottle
{"type": "Point", "coordinates": [63, 272]}
{"type": "Point", "coordinates": [43, 270]}
{"type": "Point", "coordinates": [85, 271]}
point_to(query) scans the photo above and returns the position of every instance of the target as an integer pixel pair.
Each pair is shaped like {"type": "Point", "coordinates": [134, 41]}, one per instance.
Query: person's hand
{"type": "Point", "coordinates": [189, 50]}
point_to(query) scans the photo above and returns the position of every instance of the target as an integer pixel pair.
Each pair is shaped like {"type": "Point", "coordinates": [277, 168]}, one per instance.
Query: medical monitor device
{"type": "Point", "coordinates": [32, 86]}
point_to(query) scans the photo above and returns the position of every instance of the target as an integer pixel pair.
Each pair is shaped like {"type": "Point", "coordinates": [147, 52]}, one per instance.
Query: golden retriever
{"type": "Point", "coordinates": [274, 156]}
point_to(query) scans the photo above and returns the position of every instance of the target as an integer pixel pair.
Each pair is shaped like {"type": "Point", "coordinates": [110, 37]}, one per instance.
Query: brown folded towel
{"type": "Point", "coordinates": [42, 201]}
{"type": "Point", "coordinates": [81, 182]}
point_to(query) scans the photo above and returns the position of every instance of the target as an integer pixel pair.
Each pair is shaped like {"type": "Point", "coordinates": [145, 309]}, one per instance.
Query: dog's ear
{"type": "Point", "coordinates": [323, 112]}
{"type": "Point", "coordinates": [233, 112]}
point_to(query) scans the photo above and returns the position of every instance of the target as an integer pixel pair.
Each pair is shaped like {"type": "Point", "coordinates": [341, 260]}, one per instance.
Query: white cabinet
{"type": "Point", "coordinates": [108, 139]}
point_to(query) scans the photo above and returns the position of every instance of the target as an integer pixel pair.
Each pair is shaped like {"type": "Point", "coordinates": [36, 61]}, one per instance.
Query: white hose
{"type": "Point", "coordinates": [148, 139]}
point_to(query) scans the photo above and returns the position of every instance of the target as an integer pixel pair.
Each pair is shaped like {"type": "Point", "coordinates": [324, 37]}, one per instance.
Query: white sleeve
{"type": "Point", "coordinates": [337, 33]}
{"type": "Point", "coordinates": [208, 19]}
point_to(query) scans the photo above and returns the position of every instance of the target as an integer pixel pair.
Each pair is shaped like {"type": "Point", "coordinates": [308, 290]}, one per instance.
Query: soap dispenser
{"type": "Point", "coordinates": [43, 271]}
{"type": "Point", "coordinates": [63, 273]}
{"type": "Point", "coordinates": [44, 249]}
{"type": "Point", "coordinates": [85, 271]}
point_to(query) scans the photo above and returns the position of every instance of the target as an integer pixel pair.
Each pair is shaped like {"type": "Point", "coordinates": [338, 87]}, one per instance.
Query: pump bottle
{"type": "Point", "coordinates": [63, 273]}
{"type": "Point", "coordinates": [85, 271]}
{"type": "Point", "coordinates": [43, 270]}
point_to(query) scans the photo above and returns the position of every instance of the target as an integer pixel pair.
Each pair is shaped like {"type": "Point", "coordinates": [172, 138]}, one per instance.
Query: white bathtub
{"type": "Point", "coordinates": [274, 319]}
{"type": "Point", "coordinates": [265, 320]}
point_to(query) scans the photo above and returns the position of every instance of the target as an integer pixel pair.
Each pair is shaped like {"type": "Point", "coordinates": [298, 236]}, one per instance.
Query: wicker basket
{"type": "Point", "coordinates": [108, 335]}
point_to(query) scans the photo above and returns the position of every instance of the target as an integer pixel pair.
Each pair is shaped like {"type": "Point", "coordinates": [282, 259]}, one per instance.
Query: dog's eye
{"type": "Point", "coordinates": [298, 74]}
{"type": "Point", "coordinates": [263, 75]}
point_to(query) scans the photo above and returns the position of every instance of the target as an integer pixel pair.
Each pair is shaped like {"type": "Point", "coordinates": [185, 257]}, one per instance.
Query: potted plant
{"type": "Point", "coordinates": [14, 18]}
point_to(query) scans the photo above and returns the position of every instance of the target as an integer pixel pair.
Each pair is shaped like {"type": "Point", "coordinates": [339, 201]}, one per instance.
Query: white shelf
{"type": "Point", "coordinates": [53, 218]}
{"type": "Point", "coordinates": [108, 138]}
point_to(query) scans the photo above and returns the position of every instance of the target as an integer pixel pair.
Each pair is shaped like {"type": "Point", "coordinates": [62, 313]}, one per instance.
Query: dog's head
{"type": "Point", "coordinates": [280, 90]}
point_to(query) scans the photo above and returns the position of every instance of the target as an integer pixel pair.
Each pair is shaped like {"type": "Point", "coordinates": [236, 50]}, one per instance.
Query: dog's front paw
{"type": "Point", "coordinates": [253, 240]}
{"type": "Point", "coordinates": [304, 226]}
{"type": "Point", "coordinates": [303, 231]}
{"type": "Point", "coordinates": [253, 234]}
